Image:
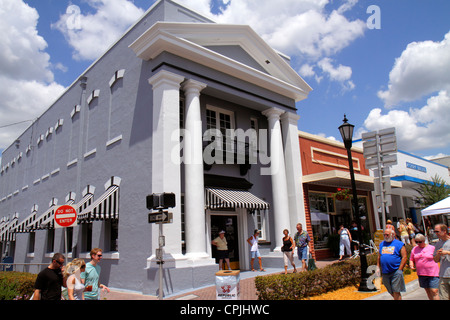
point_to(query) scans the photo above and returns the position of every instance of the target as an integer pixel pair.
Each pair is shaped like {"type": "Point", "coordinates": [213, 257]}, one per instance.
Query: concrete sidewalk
{"type": "Point", "coordinates": [248, 290]}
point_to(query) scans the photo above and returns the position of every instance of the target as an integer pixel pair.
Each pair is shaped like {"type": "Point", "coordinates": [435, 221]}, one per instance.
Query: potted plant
{"type": "Point", "coordinates": [342, 194]}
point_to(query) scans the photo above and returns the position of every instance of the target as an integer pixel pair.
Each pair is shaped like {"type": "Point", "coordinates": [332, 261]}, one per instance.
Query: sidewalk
{"type": "Point", "coordinates": [248, 291]}
{"type": "Point", "coordinates": [247, 288]}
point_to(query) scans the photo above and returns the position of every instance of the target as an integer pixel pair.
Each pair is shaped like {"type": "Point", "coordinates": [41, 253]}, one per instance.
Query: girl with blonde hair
{"type": "Point", "coordinates": [72, 273]}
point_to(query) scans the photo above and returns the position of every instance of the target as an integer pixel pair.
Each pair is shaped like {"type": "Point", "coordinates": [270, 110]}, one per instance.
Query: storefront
{"type": "Point", "coordinates": [327, 191]}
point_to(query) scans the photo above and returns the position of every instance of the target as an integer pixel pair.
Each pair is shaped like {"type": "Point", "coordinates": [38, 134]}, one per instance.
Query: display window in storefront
{"type": "Point", "coordinates": [328, 213]}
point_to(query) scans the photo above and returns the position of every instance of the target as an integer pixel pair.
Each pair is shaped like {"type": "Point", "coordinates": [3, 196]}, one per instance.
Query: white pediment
{"type": "Point", "coordinates": [196, 42]}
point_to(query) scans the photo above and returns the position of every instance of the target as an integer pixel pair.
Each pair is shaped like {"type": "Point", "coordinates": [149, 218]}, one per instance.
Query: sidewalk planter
{"type": "Point", "coordinates": [297, 286]}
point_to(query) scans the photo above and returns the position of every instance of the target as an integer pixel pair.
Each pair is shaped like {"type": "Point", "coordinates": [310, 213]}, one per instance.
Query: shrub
{"type": "Point", "coordinates": [16, 285]}
{"type": "Point", "coordinates": [296, 286]}
{"type": "Point", "coordinates": [301, 285]}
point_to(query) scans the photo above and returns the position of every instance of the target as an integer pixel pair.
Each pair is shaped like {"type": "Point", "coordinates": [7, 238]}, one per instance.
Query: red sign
{"type": "Point", "coordinates": [65, 216]}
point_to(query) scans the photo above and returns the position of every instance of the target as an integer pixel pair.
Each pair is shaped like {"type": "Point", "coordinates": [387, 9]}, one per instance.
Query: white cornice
{"type": "Point", "coordinates": [188, 40]}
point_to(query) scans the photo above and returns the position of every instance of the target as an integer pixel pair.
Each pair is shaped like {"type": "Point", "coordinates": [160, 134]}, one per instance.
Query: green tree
{"type": "Point", "coordinates": [432, 192]}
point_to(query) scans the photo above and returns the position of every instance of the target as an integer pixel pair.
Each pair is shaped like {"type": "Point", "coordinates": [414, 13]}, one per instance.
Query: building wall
{"type": "Point", "coordinates": [320, 154]}
{"type": "Point", "coordinates": [103, 126]}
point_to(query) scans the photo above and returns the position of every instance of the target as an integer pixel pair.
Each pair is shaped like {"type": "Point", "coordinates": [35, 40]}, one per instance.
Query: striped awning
{"type": "Point", "coordinates": [45, 220]}
{"type": "Point", "coordinates": [23, 226]}
{"type": "Point", "coordinates": [7, 226]}
{"type": "Point", "coordinates": [217, 198]}
{"type": "Point", "coordinates": [105, 207]}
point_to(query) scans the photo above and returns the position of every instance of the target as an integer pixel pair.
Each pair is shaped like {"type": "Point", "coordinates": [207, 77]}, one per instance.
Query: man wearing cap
{"type": "Point", "coordinates": [222, 249]}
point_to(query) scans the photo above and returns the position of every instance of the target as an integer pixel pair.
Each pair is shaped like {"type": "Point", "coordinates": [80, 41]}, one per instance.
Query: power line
{"type": "Point", "coordinates": [13, 124]}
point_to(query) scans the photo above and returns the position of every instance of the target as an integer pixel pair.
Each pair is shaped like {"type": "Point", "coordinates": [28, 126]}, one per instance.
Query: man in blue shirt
{"type": "Point", "coordinates": [392, 259]}
{"type": "Point", "coordinates": [91, 276]}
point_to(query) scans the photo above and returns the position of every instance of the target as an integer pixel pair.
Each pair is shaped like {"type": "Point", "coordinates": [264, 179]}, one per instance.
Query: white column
{"type": "Point", "coordinates": [293, 170]}
{"type": "Point", "coordinates": [195, 219]}
{"type": "Point", "coordinates": [278, 176]}
{"type": "Point", "coordinates": [166, 173]}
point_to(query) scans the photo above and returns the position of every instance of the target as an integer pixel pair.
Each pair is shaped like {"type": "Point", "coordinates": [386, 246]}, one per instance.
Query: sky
{"type": "Point", "coordinates": [383, 63]}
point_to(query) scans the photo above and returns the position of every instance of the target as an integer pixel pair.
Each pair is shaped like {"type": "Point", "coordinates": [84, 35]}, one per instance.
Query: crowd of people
{"type": "Point", "coordinates": [431, 262]}
{"type": "Point", "coordinates": [81, 281]}
{"type": "Point", "coordinates": [75, 281]}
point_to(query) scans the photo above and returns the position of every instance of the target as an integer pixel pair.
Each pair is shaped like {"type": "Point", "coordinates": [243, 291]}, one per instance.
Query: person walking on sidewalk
{"type": "Point", "coordinates": [288, 250]}
{"type": "Point", "coordinates": [253, 242]}
{"type": "Point", "coordinates": [91, 276]}
{"type": "Point", "coordinates": [302, 240]}
{"type": "Point", "coordinates": [345, 238]}
{"type": "Point", "coordinates": [427, 269]}
{"type": "Point", "coordinates": [50, 280]}
{"type": "Point", "coordinates": [392, 259]}
{"type": "Point", "coordinates": [442, 255]}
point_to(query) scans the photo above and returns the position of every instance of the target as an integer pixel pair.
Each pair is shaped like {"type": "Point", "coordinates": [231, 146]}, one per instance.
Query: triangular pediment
{"type": "Point", "coordinates": [233, 49]}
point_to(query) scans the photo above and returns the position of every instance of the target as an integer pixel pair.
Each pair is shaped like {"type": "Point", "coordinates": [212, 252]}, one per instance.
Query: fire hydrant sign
{"type": "Point", "coordinates": [65, 216]}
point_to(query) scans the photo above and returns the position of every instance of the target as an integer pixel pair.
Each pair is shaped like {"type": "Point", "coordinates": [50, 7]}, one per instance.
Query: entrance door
{"type": "Point", "coordinates": [227, 223]}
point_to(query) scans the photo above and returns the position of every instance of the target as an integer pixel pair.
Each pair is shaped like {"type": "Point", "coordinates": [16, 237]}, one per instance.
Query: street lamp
{"type": "Point", "coordinates": [346, 130]}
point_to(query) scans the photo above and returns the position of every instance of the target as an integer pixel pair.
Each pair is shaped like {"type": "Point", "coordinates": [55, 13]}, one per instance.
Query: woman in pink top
{"type": "Point", "coordinates": [421, 259]}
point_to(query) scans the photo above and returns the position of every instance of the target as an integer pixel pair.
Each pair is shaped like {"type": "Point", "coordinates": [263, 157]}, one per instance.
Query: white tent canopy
{"type": "Point", "coordinates": [439, 207]}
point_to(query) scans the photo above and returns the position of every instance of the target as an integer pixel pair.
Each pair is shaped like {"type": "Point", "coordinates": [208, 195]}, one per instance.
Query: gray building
{"type": "Point", "coordinates": [178, 104]}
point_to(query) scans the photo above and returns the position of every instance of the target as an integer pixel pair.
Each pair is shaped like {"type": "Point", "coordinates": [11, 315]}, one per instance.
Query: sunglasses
{"type": "Point", "coordinates": [419, 241]}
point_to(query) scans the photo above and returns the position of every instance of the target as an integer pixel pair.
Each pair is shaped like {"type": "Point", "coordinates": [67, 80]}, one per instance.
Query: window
{"type": "Point", "coordinates": [50, 240]}
{"type": "Point", "coordinates": [217, 118]}
{"type": "Point", "coordinates": [319, 219]}
{"type": "Point", "coordinates": [259, 218]}
{"type": "Point", "coordinates": [87, 237]}
{"type": "Point", "coordinates": [112, 235]}
{"type": "Point", "coordinates": [31, 242]}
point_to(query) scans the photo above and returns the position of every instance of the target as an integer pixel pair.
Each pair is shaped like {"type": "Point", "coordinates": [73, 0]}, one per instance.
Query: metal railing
{"type": "Point", "coordinates": [23, 267]}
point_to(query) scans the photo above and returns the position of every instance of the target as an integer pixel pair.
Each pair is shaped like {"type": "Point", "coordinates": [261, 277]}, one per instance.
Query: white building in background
{"type": "Point", "coordinates": [412, 171]}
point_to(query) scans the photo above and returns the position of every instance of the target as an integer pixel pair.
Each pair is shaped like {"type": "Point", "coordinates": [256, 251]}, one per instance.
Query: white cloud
{"type": "Point", "coordinates": [418, 128]}
{"type": "Point", "coordinates": [90, 35]}
{"type": "Point", "coordinates": [296, 27]}
{"type": "Point", "coordinates": [27, 84]}
{"type": "Point", "coordinates": [301, 28]}
{"type": "Point", "coordinates": [22, 54]}
{"type": "Point", "coordinates": [340, 73]}
{"type": "Point", "coordinates": [422, 69]}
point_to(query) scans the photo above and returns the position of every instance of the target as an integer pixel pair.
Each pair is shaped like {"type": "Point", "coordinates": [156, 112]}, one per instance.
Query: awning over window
{"type": "Point", "coordinates": [105, 207]}
{"type": "Point", "coordinates": [45, 220]}
{"type": "Point", "coordinates": [7, 226]}
{"type": "Point", "coordinates": [217, 198]}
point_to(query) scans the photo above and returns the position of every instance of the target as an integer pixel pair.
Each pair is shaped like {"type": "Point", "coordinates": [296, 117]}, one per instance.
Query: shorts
{"type": "Point", "coordinates": [255, 254]}
{"type": "Point", "coordinates": [444, 288]}
{"type": "Point", "coordinates": [394, 282]}
{"type": "Point", "coordinates": [429, 282]}
{"type": "Point", "coordinates": [302, 253]}
{"type": "Point", "coordinates": [222, 254]}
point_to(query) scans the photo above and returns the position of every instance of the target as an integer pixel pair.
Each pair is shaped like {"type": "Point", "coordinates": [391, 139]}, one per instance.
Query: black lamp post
{"type": "Point", "coordinates": [346, 130]}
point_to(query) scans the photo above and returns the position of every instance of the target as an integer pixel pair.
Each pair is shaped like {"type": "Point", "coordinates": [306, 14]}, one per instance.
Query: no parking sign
{"type": "Point", "coordinates": [65, 216]}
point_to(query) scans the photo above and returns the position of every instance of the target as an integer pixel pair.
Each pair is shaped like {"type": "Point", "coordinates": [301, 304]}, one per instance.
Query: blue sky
{"type": "Point", "coordinates": [397, 75]}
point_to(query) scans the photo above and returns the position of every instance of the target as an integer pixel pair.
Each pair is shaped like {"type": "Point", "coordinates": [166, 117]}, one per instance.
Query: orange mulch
{"type": "Point", "coordinates": [352, 293]}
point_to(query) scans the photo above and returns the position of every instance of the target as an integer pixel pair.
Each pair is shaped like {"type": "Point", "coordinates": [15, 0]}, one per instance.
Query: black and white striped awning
{"type": "Point", "coordinates": [7, 226]}
{"type": "Point", "coordinates": [219, 198]}
{"type": "Point", "coordinates": [104, 208]}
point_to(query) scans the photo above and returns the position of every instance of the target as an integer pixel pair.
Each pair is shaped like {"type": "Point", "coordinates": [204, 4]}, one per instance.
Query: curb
{"type": "Point", "coordinates": [410, 287]}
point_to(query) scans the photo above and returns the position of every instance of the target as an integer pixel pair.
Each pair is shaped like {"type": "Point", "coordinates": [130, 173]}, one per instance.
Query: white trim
{"type": "Point", "coordinates": [90, 153]}
{"type": "Point", "coordinates": [178, 38]}
{"type": "Point", "coordinates": [113, 140]}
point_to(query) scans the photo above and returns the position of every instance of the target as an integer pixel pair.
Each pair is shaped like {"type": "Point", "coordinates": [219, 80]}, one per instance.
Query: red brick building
{"type": "Point", "coordinates": [326, 182]}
